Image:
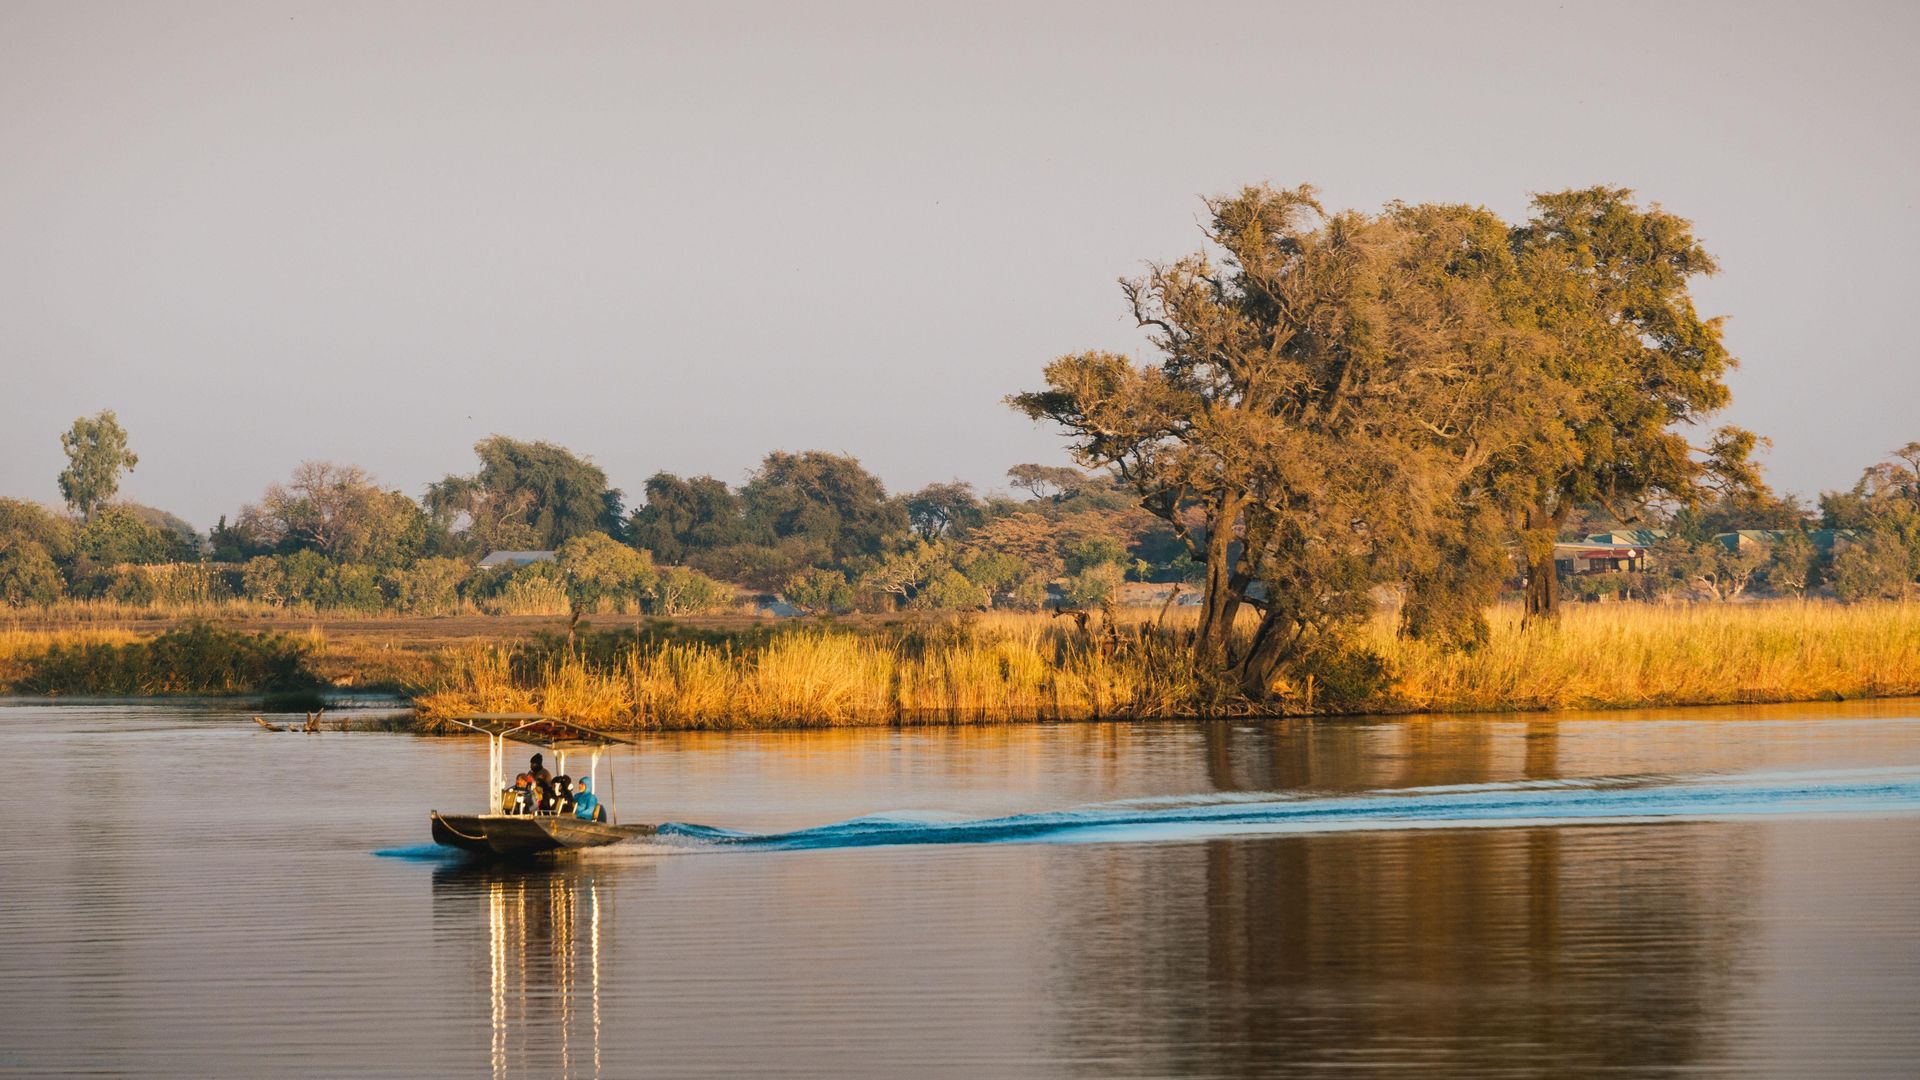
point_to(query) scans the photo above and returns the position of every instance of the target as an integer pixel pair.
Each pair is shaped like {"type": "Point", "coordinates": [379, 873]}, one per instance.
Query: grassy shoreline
{"type": "Point", "coordinates": [982, 670]}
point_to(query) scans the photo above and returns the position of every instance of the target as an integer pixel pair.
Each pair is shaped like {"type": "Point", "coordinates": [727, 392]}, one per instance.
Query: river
{"type": "Point", "coordinates": [1692, 891]}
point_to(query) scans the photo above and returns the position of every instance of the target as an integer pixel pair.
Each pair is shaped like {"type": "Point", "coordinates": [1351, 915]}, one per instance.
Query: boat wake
{"type": "Point", "coordinates": [1598, 800]}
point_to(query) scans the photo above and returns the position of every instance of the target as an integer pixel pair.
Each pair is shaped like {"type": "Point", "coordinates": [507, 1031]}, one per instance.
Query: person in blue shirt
{"type": "Point", "coordinates": [586, 805]}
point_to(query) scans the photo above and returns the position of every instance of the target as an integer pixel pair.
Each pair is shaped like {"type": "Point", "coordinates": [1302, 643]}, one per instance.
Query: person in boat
{"type": "Point", "coordinates": [520, 796]}
{"type": "Point", "coordinates": [563, 794]}
{"type": "Point", "coordinates": [542, 784]}
{"type": "Point", "coordinates": [586, 805]}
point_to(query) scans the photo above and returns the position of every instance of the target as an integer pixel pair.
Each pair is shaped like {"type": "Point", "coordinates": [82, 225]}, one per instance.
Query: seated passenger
{"type": "Point", "coordinates": [586, 805]}
{"type": "Point", "coordinates": [563, 794]}
{"type": "Point", "coordinates": [522, 795]}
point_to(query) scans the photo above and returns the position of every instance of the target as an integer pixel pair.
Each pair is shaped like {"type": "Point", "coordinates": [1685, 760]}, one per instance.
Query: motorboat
{"type": "Point", "coordinates": [497, 832]}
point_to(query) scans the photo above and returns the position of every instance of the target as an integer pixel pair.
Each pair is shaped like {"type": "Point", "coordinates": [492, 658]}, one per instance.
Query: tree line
{"type": "Point", "coordinates": [814, 528]}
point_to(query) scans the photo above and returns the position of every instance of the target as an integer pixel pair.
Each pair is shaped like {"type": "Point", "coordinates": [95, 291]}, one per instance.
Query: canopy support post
{"type": "Point", "coordinates": [494, 751]}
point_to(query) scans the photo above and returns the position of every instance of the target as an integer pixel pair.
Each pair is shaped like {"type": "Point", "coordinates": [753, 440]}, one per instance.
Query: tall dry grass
{"type": "Point", "coordinates": [1001, 668]}
{"type": "Point", "coordinates": [1630, 655]}
{"type": "Point", "coordinates": [1019, 668]}
{"type": "Point", "coordinates": [1012, 668]}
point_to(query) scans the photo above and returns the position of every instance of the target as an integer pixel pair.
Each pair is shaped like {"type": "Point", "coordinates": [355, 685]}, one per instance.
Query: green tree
{"type": "Point", "coordinates": [947, 589]}
{"type": "Point", "coordinates": [1885, 503]}
{"type": "Point", "coordinates": [1094, 585]}
{"type": "Point", "coordinates": [25, 521]}
{"type": "Point", "coordinates": [339, 512]}
{"type": "Point", "coordinates": [97, 454]}
{"type": "Point", "coordinates": [1790, 565]}
{"type": "Point", "coordinates": [601, 570]}
{"type": "Point", "coordinates": [938, 510]}
{"type": "Point", "coordinates": [1096, 551]}
{"type": "Point", "coordinates": [526, 495]}
{"type": "Point", "coordinates": [116, 534]}
{"type": "Point", "coordinates": [684, 516]}
{"type": "Point", "coordinates": [1878, 568]}
{"type": "Point", "coordinates": [1051, 482]}
{"type": "Point", "coordinates": [1608, 285]}
{"type": "Point", "coordinates": [898, 576]}
{"type": "Point", "coordinates": [823, 499]}
{"type": "Point", "coordinates": [760, 567]}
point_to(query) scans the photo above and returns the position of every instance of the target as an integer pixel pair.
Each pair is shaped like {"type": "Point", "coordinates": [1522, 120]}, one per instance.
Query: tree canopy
{"type": "Point", "coordinates": [1346, 401]}
{"type": "Point", "coordinates": [682, 516]}
{"type": "Point", "coordinates": [97, 454]}
{"type": "Point", "coordinates": [526, 495]}
{"type": "Point", "coordinates": [340, 512]}
{"type": "Point", "coordinates": [823, 500]}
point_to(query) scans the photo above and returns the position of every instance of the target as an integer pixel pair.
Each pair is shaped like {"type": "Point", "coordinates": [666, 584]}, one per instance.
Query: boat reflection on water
{"type": "Point", "coordinates": [545, 925]}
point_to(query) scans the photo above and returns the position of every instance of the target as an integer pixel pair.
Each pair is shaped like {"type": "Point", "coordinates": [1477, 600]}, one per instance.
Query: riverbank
{"type": "Point", "coordinates": [983, 669]}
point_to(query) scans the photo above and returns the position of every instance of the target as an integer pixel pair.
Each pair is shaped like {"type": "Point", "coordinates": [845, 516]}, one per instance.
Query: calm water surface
{"type": "Point", "coordinates": [1734, 892]}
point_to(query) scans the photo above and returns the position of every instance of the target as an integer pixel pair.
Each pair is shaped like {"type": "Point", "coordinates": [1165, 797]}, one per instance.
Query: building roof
{"type": "Point", "coordinates": [1634, 537]}
{"type": "Point", "coordinates": [1820, 538]}
{"type": "Point", "coordinates": [517, 558]}
{"type": "Point", "coordinates": [1596, 551]}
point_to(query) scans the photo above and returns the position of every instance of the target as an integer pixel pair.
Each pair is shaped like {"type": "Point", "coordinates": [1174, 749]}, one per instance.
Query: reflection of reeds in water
{"type": "Point", "coordinates": [1008, 668]}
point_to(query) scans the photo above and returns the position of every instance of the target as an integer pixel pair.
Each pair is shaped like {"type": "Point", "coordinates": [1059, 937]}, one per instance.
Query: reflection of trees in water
{"type": "Point", "coordinates": [544, 928]}
{"type": "Point", "coordinates": [1346, 755]}
{"type": "Point", "coordinates": [1556, 950]}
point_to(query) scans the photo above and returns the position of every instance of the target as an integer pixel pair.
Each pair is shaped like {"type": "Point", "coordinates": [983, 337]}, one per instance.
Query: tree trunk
{"type": "Point", "coordinates": [1218, 606]}
{"type": "Point", "coordinates": [1543, 584]}
{"type": "Point", "coordinates": [1263, 656]}
{"type": "Point", "coordinates": [1543, 590]}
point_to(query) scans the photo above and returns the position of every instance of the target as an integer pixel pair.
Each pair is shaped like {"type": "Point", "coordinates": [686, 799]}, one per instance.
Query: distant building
{"type": "Point", "coordinates": [1641, 538]}
{"type": "Point", "coordinates": [1598, 558]}
{"type": "Point", "coordinates": [1822, 539]}
{"type": "Point", "coordinates": [516, 558]}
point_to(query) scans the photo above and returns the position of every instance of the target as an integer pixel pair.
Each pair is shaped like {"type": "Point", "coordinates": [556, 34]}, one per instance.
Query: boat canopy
{"type": "Point", "coordinates": [535, 729]}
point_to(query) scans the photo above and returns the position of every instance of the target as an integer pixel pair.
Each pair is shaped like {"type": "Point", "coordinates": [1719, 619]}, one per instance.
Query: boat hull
{"type": "Point", "coordinates": [520, 835]}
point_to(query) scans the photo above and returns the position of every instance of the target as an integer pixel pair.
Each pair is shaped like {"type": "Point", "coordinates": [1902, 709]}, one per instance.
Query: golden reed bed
{"type": "Point", "coordinates": [1006, 668]}
{"type": "Point", "coordinates": [1011, 668]}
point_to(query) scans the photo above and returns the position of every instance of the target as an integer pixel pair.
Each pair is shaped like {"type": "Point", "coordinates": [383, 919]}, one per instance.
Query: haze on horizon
{"type": "Point", "coordinates": [676, 239]}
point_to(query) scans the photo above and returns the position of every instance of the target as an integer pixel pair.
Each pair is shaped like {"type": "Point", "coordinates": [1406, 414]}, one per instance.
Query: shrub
{"type": "Point", "coordinates": [27, 575]}
{"type": "Point", "coordinates": [533, 589]}
{"type": "Point", "coordinates": [428, 587]}
{"type": "Point", "coordinates": [168, 584]}
{"type": "Point", "coordinates": [820, 592]}
{"type": "Point", "coordinates": [1093, 585]}
{"type": "Point", "coordinates": [949, 590]}
{"type": "Point", "coordinates": [679, 591]}
{"type": "Point", "coordinates": [194, 658]}
{"type": "Point", "coordinates": [1876, 568]}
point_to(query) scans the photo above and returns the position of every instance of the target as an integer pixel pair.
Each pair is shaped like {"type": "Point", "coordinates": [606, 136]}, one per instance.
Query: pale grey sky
{"type": "Point", "coordinates": [677, 236]}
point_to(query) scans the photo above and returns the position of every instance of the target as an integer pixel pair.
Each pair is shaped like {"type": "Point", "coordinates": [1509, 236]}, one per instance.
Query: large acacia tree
{"type": "Point", "coordinates": [1327, 389]}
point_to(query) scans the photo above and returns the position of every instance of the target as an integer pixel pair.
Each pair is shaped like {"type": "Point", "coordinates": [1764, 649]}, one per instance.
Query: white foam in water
{"type": "Point", "coordinates": [1592, 800]}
